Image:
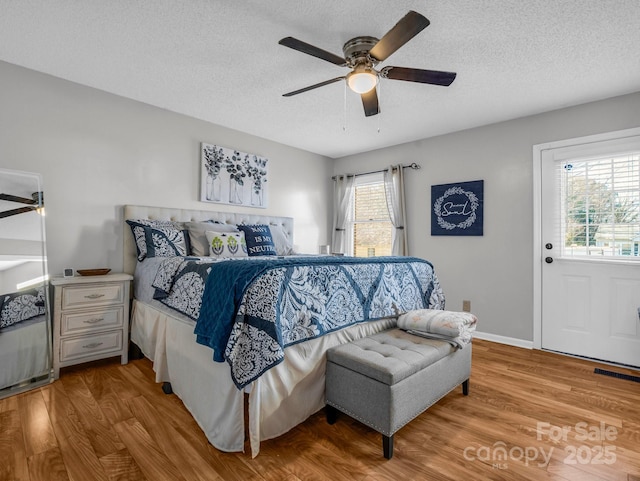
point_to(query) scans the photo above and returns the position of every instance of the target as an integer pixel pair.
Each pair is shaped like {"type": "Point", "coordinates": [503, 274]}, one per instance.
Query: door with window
{"type": "Point", "coordinates": [590, 233]}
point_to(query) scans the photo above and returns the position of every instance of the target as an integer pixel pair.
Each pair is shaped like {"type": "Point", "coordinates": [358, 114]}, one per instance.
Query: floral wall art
{"type": "Point", "coordinates": [232, 177]}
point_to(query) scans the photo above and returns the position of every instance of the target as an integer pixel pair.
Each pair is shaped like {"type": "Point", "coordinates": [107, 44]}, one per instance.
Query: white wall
{"type": "Point", "coordinates": [97, 152]}
{"type": "Point", "coordinates": [494, 271]}
{"type": "Point", "coordinates": [10, 278]}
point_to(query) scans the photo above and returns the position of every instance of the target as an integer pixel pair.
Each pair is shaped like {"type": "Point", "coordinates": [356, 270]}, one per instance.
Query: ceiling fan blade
{"type": "Point", "coordinates": [435, 77]}
{"type": "Point", "coordinates": [15, 198]}
{"type": "Point", "coordinates": [304, 47]}
{"type": "Point", "coordinates": [20, 210]}
{"type": "Point", "coordinates": [311, 87]}
{"type": "Point", "coordinates": [408, 27]}
{"type": "Point", "coordinates": [370, 102]}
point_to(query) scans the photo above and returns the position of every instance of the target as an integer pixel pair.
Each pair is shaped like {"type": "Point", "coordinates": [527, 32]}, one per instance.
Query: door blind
{"type": "Point", "coordinates": [601, 206]}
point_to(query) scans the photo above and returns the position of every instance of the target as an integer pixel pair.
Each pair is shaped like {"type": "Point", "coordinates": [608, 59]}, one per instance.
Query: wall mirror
{"type": "Point", "coordinates": [25, 321]}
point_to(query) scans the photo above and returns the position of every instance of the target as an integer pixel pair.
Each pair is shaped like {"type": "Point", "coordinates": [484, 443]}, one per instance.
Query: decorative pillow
{"type": "Point", "coordinates": [259, 240]}
{"type": "Point", "coordinates": [226, 244]}
{"type": "Point", "coordinates": [22, 305]}
{"type": "Point", "coordinates": [222, 227]}
{"type": "Point", "coordinates": [436, 323]}
{"type": "Point", "coordinates": [197, 237]}
{"type": "Point", "coordinates": [281, 240]}
{"type": "Point", "coordinates": [159, 238]}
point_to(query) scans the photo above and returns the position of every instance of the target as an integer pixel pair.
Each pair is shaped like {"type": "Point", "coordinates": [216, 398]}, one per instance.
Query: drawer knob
{"type": "Point", "coordinates": [93, 345]}
{"type": "Point", "coordinates": [94, 296]}
{"type": "Point", "coordinates": [94, 320]}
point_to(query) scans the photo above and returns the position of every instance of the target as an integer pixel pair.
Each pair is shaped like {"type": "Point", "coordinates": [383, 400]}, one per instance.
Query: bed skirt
{"type": "Point", "coordinates": [23, 353]}
{"type": "Point", "coordinates": [279, 400]}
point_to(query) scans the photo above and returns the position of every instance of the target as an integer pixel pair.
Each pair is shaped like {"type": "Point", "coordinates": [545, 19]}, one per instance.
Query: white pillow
{"type": "Point", "coordinates": [281, 240]}
{"type": "Point", "coordinates": [226, 244]}
{"type": "Point", "coordinates": [199, 243]}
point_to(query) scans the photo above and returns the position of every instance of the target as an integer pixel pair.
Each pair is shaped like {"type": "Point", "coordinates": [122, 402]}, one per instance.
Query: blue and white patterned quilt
{"type": "Point", "coordinates": [179, 283]}
{"type": "Point", "coordinates": [20, 306]}
{"type": "Point", "coordinates": [249, 310]}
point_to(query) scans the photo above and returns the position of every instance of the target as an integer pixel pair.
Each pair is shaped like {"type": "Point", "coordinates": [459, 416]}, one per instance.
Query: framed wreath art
{"type": "Point", "coordinates": [457, 209]}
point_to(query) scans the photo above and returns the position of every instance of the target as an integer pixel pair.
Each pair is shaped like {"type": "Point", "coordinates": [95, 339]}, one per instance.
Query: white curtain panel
{"type": "Point", "coordinates": [394, 192]}
{"type": "Point", "coordinates": [342, 199]}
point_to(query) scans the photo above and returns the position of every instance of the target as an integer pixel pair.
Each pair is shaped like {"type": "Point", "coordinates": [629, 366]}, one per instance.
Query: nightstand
{"type": "Point", "coordinates": [90, 319]}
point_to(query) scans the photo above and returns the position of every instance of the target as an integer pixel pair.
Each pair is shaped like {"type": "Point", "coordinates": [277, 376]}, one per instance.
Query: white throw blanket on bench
{"type": "Point", "coordinates": [454, 327]}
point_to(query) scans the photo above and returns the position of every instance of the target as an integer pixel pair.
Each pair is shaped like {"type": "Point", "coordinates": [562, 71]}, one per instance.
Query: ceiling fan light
{"type": "Point", "coordinates": [361, 81]}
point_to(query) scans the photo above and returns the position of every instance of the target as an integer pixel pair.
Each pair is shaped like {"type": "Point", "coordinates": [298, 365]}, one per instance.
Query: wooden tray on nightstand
{"type": "Point", "coordinates": [93, 272]}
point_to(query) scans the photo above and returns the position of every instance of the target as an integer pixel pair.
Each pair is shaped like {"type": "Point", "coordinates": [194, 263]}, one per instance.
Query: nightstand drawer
{"type": "Point", "coordinates": [96, 319]}
{"type": "Point", "coordinates": [91, 295]}
{"type": "Point", "coordinates": [89, 346]}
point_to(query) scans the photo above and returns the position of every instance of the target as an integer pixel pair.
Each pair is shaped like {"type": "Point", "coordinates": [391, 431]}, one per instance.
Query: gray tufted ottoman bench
{"type": "Point", "coordinates": [387, 379]}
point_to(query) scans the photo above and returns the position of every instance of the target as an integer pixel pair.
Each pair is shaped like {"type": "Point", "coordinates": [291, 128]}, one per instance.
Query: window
{"type": "Point", "coordinates": [372, 231]}
{"type": "Point", "coordinates": [601, 203]}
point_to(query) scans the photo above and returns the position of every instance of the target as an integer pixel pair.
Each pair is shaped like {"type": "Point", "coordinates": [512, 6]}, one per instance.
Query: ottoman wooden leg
{"type": "Point", "coordinates": [465, 387]}
{"type": "Point", "coordinates": [387, 446]}
{"type": "Point", "coordinates": [332, 414]}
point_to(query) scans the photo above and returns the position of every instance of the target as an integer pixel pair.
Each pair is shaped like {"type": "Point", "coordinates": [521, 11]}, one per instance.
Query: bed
{"type": "Point", "coordinates": [287, 388]}
{"type": "Point", "coordinates": [23, 327]}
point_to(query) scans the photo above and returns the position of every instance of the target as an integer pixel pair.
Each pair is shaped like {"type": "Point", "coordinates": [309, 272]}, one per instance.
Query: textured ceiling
{"type": "Point", "coordinates": [220, 60]}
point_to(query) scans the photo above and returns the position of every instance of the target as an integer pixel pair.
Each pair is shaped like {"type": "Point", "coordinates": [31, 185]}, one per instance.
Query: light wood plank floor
{"type": "Point", "coordinates": [530, 415]}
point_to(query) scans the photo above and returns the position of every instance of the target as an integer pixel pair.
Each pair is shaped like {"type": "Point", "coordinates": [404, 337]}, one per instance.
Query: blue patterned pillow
{"type": "Point", "coordinates": [226, 244]}
{"type": "Point", "coordinates": [258, 239]}
{"type": "Point", "coordinates": [22, 305]}
{"type": "Point", "coordinates": [159, 238]}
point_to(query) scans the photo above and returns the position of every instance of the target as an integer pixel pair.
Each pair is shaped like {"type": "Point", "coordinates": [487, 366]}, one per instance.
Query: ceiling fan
{"type": "Point", "coordinates": [362, 54]}
{"type": "Point", "coordinates": [35, 203]}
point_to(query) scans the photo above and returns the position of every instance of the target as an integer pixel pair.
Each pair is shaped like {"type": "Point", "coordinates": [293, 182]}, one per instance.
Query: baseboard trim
{"type": "Point", "coordinates": [511, 341]}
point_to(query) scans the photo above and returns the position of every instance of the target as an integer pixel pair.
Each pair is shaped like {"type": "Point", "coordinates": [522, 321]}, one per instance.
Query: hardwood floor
{"type": "Point", "coordinates": [530, 415]}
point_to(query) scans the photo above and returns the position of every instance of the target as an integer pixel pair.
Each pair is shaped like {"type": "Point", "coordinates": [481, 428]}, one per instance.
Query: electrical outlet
{"type": "Point", "coordinates": [466, 306]}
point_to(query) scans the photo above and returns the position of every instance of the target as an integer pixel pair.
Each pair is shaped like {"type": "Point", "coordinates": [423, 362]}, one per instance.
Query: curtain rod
{"type": "Point", "coordinates": [413, 166]}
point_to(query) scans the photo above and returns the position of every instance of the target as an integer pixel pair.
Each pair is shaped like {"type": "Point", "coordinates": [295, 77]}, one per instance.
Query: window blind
{"type": "Point", "coordinates": [372, 229]}
{"type": "Point", "coordinates": [601, 206]}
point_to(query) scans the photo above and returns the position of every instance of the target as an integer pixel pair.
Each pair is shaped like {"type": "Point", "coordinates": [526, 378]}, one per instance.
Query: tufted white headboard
{"type": "Point", "coordinates": [188, 215]}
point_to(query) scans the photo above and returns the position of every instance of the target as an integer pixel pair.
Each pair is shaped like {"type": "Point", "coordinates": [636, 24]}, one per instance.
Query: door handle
{"type": "Point", "coordinates": [548, 260]}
